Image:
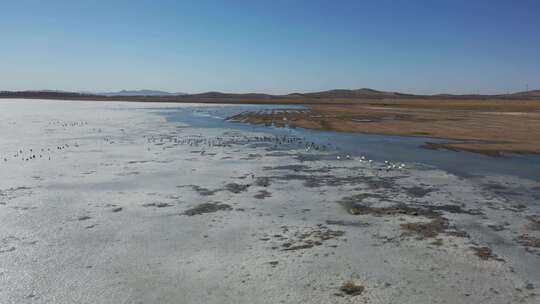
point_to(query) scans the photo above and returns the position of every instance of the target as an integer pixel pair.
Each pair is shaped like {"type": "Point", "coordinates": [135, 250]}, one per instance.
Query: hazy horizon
{"type": "Point", "coordinates": [417, 47]}
{"type": "Point", "coordinates": [113, 92]}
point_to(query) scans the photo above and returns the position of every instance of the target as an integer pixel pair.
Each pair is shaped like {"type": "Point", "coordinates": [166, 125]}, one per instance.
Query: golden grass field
{"type": "Point", "coordinates": [485, 126]}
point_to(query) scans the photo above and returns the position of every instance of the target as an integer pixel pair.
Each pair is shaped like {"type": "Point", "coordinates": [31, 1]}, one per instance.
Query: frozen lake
{"type": "Point", "coordinates": [111, 202]}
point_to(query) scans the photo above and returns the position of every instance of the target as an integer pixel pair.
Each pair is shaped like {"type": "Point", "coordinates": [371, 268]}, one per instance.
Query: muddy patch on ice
{"type": "Point", "coordinates": [351, 289]}
{"type": "Point", "coordinates": [315, 181]}
{"type": "Point", "coordinates": [207, 208]}
{"type": "Point", "coordinates": [298, 168]}
{"type": "Point", "coordinates": [300, 238]}
{"type": "Point", "coordinates": [6, 244]}
{"type": "Point", "coordinates": [231, 187]}
{"type": "Point", "coordinates": [534, 222]}
{"type": "Point", "coordinates": [418, 191]}
{"type": "Point", "coordinates": [423, 230]}
{"type": "Point", "coordinates": [201, 190]}
{"type": "Point", "coordinates": [347, 223]}
{"type": "Point", "coordinates": [310, 157]}
{"type": "Point", "coordinates": [15, 192]}
{"type": "Point", "coordinates": [158, 205]}
{"type": "Point", "coordinates": [262, 181]}
{"type": "Point", "coordinates": [528, 241]}
{"type": "Point", "coordinates": [485, 253]}
{"type": "Point", "coordinates": [236, 188]}
{"type": "Point", "coordinates": [359, 205]}
{"type": "Point", "coordinates": [262, 194]}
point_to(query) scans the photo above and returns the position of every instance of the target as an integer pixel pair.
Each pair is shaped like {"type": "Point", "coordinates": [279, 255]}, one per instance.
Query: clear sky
{"type": "Point", "coordinates": [273, 46]}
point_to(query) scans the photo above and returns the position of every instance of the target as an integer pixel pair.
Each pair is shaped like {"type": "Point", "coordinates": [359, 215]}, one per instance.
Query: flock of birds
{"type": "Point", "coordinates": [275, 141]}
{"type": "Point", "coordinates": [66, 124]}
{"type": "Point", "coordinates": [221, 141]}
{"type": "Point", "coordinates": [388, 165]}
{"type": "Point", "coordinates": [30, 154]}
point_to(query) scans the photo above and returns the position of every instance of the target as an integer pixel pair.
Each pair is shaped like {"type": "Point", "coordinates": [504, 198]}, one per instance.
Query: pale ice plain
{"type": "Point", "coordinates": [113, 204]}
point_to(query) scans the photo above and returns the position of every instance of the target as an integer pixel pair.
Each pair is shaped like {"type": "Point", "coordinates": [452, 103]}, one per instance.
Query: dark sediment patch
{"type": "Point", "coordinates": [518, 208]}
{"type": "Point", "coordinates": [457, 233]}
{"type": "Point", "coordinates": [14, 189]}
{"type": "Point", "coordinates": [529, 241]}
{"type": "Point", "coordinates": [277, 154]}
{"type": "Point", "coordinates": [437, 223]}
{"type": "Point", "coordinates": [23, 208]}
{"type": "Point", "coordinates": [310, 157]}
{"type": "Point", "coordinates": [437, 242]}
{"type": "Point", "coordinates": [347, 223]}
{"type": "Point", "coordinates": [513, 194]}
{"type": "Point", "coordinates": [260, 145]}
{"type": "Point", "coordinates": [207, 208]}
{"type": "Point", "coordinates": [10, 249]}
{"type": "Point", "coordinates": [534, 222]}
{"type": "Point", "coordinates": [128, 173]}
{"type": "Point", "coordinates": [430, 229]}
{"type": "Point", "coordinates": [262, 194]}
{"type": "Point", "coordinates": [204, 191]}
{"type": "Point", "coordinates": [12, 192]}
{"type": "Point", "coordinates": [380, 183]}
{"type": "Point", "coordinates": [455, 209]}
{"type": "Point", "coordinates": [307, 238]}
{"type": "Point", "coordinates": [20, 188]}
{"type": "Point", "coordinates": [503, 190]}
{"type": "Point", "coordinates": [273, 263]}
{"type": "Point", "coordinates": [236, 188]}
{"type": "Point", "coordinates": [138, 161]}
{"type": "Point", "coordinates": [296, 168]}
{"type": "Point", "coordinates": [201, 190]}
{"type": "Point", "coordinates": [496, 227]}
{"type": "Point", "coordinates": [315, 181]}
{"type": "Point", "coordinates": [494, 186]}
{"type": "Point", "coordinates": [307, 245]}
{"type": "Point", "coordinates": [418, 191]}
{"type": "Point", "coordinates": [262, 181]}
{"type": "Point", "coordinates": [6, 244]}
{"type": "Point", "coordinates": [310, 182]}
{"type": "Point", "coordinates": [355, 205]}
{"type": "Point", "coordinates": [252, 156]}
{"type": "Point", "coordinates": [157, 205]}
{"type": "Point", "coordinates": [351, 289]}
{"type": "Point", "coordinates": [485, 253]}
{"type": "Point", "coordinates": [299, 168]}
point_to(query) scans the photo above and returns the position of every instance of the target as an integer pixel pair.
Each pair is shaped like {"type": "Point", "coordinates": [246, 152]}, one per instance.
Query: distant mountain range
{"type": "Point", "coordinates": [359, 93]}
{"type": "Point", "coordinates": [338, 95]}
{"type": "Point", "coordinates": [139, 93]}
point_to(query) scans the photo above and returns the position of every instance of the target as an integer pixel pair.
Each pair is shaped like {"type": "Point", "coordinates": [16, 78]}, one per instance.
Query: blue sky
{"type": "Point", "coordinates": [278, 46]}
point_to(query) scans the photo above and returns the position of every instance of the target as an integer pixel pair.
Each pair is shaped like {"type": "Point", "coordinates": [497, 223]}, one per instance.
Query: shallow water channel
{"type": "Point", "coordinates": [377, 147]}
